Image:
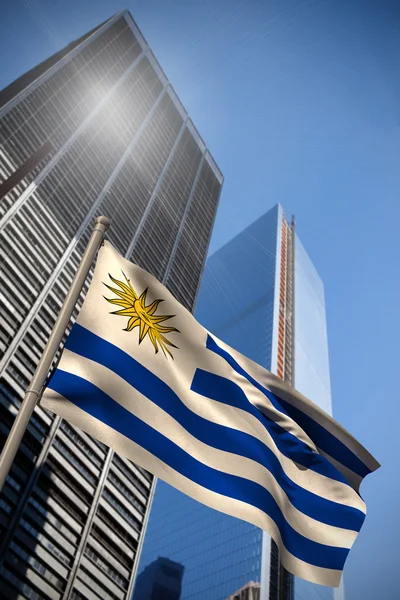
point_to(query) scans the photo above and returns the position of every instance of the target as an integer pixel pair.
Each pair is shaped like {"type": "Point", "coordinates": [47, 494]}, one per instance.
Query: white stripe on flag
{"type": "Point", "coordinates": [236, 508]}
{"type": "Point", "coordinates": [155, 417]}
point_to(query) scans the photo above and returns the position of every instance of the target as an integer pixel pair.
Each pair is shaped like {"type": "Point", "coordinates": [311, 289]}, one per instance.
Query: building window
{"type": "Point", "coordinates": [37, 565]}
{"type": "Point", "coordinates": [125, 492]}
{"type": "Point", "coordinates": [75, 461]}
{"type": "Point", "coordinates": [122, 510]}
{"type": "Point", "coordinates": [26, 589]}
{"type": "Point", "coordinates": [96, 587]}
{"type": "Point", "coordinates": [104, 566]}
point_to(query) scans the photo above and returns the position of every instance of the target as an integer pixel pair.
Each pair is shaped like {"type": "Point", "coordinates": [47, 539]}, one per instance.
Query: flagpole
{"type": "Point", "coordinates": [34, 390]}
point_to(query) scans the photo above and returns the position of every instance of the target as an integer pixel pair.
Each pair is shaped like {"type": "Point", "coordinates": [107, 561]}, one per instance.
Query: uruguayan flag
{"type": "Point", "coordinates": [141, 375]}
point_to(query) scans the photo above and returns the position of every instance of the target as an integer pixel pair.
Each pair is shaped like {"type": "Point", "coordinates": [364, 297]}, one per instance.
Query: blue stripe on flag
{"type": "Point", "coordinates": [85, 343]}
{"type": "Point", "coordinates": [327, 442]}
{"type": "Point", "coordinates": [322, 438]}
{"type": "Point", "coordinates": [95, 402]}
{"type": "Point", "coordinates": [225, 391]}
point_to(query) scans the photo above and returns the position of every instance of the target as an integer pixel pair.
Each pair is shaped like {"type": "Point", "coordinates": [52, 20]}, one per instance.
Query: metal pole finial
{"type": "Point", "coordinates": [102, 220]}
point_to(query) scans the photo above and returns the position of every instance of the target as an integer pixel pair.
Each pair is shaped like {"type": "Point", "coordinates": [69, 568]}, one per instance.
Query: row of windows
{"type": "Point", "coordinates": [36, 564]}
{"type": "Point", "coordinates": [31, 277]}
{"type": "Point", "coordinates": [122, 510]}
{"type": "Point", "coordinates": [44, 540]}
{"type": "Point", "coordinates": [5, 339]}
{"type": "Point", "coordinates": [130, 475]}
{"type": "Point", "coordinates": [95, 585]}
{"type": "Point", "coordinates": [64, 497]}
{"type": "Point", "coordinates": [11, 292]}
{"type": "Point", "coordinates": [5, 506]}
{"type": "Point", "coordinates": [75, 595]}
{"type": "Point", "coordinates": [125, 492]}
{"type": "Point", "coordinates": [30, 446]}
{"type": "Point", "coordinates": [116, 528]}
{"type": "Point", "coordinates": [24, 239]}
{"type": "Point", "coordinates": [73, 460]}
{"type": "Point", "coordinates": [25, 360]}
{"type": "Point", "coordinates": [100, 536]}
{"type": "Point", "coordinates": [18, 377]}
{"type": "Point", "coordinates": [53, 236]}
{"type": "Point", "coordinates": [11, 481]}
{"type": "Point", "coordinates": [23, 226]}
{"type": "Point", "coordinates": [53, 520]}
{"type": "Point", "coordinates": [104, 566]}
{"type": "Point", "coordinates": [82, 445]}
{"type": "Point", "coordinates": [28, 591]}
{"type": "Point", "coordinates": [7, 168]}
{"type": "Point", "coordinates": [11, 397]}
{"type": "Point", "coordinates": [9, 317]}
{"type": "Point", "coordinates": [10, 495]}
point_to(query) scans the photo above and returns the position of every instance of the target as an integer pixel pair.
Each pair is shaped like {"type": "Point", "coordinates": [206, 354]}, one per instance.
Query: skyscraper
{"type": "Point", "coordinates": [161, 580]}
{"type": "Point", "coordinates": [260, 294]}
{"type": "Point", "coordinates": [95, 129]}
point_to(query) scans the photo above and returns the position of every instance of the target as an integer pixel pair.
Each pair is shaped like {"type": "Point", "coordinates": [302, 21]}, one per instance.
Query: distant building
{"type": "Point", "coordinates": [250, 591]}
{"type": "Point", "coordinates": [262, 295]}
{"type": "Point", "coordinates": [162, 580]}
{"type": "Point", "coordinates": [72, 512]}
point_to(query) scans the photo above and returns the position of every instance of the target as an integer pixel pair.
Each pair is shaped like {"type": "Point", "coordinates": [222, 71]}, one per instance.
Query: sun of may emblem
{"type": "Point", "coordinates": [139, 315]}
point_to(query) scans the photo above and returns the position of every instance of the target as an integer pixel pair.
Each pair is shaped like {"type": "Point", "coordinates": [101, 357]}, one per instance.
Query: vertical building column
{"type": "Point", "coordinates": [281, 583]}
{"type": "Point", "coordinates": [155, 191]}
{"type": "Point", "coordinates": [207, 249]}
{"type": "Point", "coordinates": [183, 221]}
{"type": "Point", "coordinates": [141, 539]}
{"type": "Point", "coordinates": [86, 530]}
{"type": "Point", "coordinates": [286, 355]}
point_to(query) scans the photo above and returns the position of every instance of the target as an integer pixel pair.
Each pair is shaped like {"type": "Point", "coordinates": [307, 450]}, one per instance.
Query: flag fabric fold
{"type": "Point", "coordinates": [140, 374]}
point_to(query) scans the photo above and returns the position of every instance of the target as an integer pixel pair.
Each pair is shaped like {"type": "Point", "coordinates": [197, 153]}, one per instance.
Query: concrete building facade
{"type": "Point", "coordinates": [117, 142]}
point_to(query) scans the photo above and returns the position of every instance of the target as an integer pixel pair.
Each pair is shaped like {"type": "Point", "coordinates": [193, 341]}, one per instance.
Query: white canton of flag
{"type": "Point", "coordinates": [141, 375]}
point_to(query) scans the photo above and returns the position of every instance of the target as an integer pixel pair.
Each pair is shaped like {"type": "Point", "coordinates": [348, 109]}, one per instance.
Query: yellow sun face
{"type": "Point", "coordinates": [140, 315]}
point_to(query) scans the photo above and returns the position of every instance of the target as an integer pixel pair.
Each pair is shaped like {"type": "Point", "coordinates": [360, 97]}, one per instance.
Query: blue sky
{"type": "Point", "coordinates": [299, 102]}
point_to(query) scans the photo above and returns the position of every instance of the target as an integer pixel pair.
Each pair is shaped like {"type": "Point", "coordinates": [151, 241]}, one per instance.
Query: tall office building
{"type": "Point", "coordinates": [260, 294]}
{"type": "Point", "coordinates": [95, 129]}
{"type": "Point", "coordinates": [161, 580]}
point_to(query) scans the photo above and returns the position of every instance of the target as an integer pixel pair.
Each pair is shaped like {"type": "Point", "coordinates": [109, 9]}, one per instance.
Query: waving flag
{"type": "Point", "coordinates": [140, 374]}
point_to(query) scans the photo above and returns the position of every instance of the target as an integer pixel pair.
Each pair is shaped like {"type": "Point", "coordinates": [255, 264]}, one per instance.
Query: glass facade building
{"type": "Point", "coordinates": [260, 294]}
{"type": "Point", "coordinates": [95, 129]}
{"type": "Point", "coordinates": [161, 580]}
